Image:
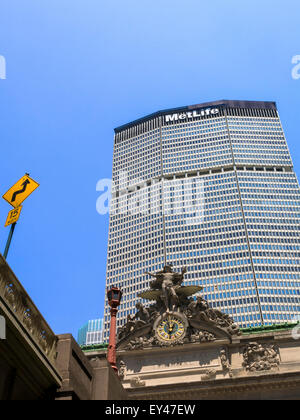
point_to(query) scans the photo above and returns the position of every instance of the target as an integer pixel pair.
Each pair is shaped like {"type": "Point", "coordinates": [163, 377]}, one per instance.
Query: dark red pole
{"type": "Point", "coordinates": [114, 296]}
{"type": "Point", "coordinates": [112, 353]}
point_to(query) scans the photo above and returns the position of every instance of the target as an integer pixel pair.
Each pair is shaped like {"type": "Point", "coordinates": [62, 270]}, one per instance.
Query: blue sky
{"type": "Point", "coordinates": [77, 69]}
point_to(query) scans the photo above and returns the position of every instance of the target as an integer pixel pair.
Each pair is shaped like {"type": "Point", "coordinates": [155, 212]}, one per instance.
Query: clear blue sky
{"type": "Point", "coordinates": [78, 68]}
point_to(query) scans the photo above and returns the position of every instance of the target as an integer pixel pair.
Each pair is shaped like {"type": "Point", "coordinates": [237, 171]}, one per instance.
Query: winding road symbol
{"type": "Point", "coordinates": [24, 185]}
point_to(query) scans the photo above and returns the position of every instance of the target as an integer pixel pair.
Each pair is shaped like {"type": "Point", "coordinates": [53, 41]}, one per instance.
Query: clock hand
{"type": "Point", "coordinates": [170, 324]}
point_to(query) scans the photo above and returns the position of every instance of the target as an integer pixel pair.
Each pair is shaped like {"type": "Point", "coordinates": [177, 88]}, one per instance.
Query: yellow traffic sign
{"type": "Point", "coordinates": [20, 191]}
{"type": "Point", "coordinates": [13, 216]}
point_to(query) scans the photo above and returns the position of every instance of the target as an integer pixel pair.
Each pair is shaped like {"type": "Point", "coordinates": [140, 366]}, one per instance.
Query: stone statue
{"type": "Point", "coordinates": [201, 311]}
{"type": "Point", "coordinates": [167, 280]}
{"type": "Point", "coordinates": [198, 309]}
{"type": "Point", "coordinates": [202, 337]}
{"type": "Point", "coordinates": [142, 314]}
{"type": "Point", "coordinates": [210, 374]}
{"type": "Point", "coordinates": [258, 357]}
{"type": "Point", "coordinates": [175, 318]}
{"type": "Point", "coordinates": [122, 370]}
{"type": "Point", "coordinates": [225, 363]}
{"type": "Point", "coordinates": [136, 382]}
{"type": "Point", "coordinates": [139, 343]}
{"type": "Point", "coordinates": [127, 328]}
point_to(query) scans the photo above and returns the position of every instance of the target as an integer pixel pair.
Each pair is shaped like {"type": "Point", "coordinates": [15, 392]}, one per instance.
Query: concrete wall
{"type": "Point", "coordinates": [84, 378]}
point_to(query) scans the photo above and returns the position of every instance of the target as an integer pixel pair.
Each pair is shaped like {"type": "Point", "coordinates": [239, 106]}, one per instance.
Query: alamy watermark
{"type": "Point", "coordinates": [2, 328]}
{"type": "Point", "coordinates": [169, 197]}
{"type": "Point", "coordinates": [296, 329]}
{"type": "Point", "coordinates": [296, 68]}
{"type": "Point", "coordinates": [2, 67]}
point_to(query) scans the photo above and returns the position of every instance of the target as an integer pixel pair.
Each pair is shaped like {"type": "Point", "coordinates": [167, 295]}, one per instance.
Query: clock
{"type": "Point", "coordinates": [170, 328]}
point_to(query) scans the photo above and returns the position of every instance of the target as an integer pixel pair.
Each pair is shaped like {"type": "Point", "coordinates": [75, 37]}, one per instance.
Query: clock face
{"type": "Point", "coordinates": [170, 329]}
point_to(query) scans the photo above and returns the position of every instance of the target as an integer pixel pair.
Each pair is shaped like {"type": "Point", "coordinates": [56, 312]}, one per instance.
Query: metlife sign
{"type": "Point", "coordinates": [191, 114]}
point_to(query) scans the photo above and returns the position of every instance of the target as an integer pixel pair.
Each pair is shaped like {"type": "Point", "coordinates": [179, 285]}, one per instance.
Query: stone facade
{"type": "Point", "coordinates": [28, 349]}
{"type": "Point", "coordinates": [35, 364]}
{"type": "Point", "coordinates": [262, 365]}
{"type": "Point", "coordinates": [181, 348]}
{"type": "Point", "coordinates": [85, 379]}
{"type": "Point", "coordinates": [251, 366]}
{"type": "Point", "coordinates": [211, 361]}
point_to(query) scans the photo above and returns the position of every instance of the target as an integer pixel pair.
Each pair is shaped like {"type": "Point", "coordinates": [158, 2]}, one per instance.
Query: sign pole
{"type": "Point", "coordinates": [15, 197]}
{"type": "Point", "coordinates": [12, 229]}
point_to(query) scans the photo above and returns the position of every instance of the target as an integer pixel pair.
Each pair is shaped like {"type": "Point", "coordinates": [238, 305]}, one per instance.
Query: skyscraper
{"type": "Point", "coordinates": [210, 187]}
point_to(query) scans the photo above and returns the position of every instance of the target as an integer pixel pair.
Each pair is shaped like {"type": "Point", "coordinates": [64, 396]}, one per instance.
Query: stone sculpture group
{"type": "Point", "coordinates": [171, 297]}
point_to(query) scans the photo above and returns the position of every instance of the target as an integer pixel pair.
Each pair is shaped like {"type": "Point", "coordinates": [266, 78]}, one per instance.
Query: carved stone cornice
{"type": "Point", "coordinates": [20, 304]}
{"type": "Point", "coordinates": [214, 389]}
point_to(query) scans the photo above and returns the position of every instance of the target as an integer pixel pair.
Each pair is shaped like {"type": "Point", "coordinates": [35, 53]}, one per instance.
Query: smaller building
{"type": "Point", "coordinates": [91, 333]}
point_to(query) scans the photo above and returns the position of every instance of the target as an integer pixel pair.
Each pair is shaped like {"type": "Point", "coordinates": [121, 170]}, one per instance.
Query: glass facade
{"type": "Point", "coordinates": [210, 187]}
{"type": "Point", "coordinates": [91, 333]}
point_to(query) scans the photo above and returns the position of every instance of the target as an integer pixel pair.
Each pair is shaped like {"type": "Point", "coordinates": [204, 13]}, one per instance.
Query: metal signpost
{"type": "Point", "coordinates": [15, 197]}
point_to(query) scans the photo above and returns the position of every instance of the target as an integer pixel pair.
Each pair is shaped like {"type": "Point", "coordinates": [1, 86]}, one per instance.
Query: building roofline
{"type": "Point", "coordinates": [224, 102]}
{"type": "Point", "coordinates": [268, 328]}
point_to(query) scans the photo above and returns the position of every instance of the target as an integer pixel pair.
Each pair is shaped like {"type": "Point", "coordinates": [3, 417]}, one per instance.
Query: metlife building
{"type": "Point", "coordinates": [210, 187]}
